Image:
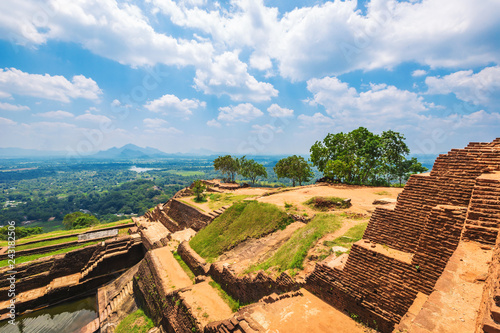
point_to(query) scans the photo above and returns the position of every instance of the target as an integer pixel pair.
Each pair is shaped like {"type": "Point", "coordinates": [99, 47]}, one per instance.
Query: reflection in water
{"type": "Point", "coordinates": [63, 318]}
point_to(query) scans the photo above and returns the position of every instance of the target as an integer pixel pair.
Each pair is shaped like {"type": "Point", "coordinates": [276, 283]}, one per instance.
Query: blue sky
{"type": "Point", "coordinates": [246, 76]}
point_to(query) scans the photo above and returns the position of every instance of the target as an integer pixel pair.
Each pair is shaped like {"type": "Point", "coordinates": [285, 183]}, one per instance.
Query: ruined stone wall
{"type": "Point", "coordinates": [195, 262]}
{"type": "Point", "coordinates": [369, 286]}
{"type": "Point", "coordinates": [250, 288]}
{"type": "Point", "coordinates": [40, 272]}
{"type": "Point", "coordinates": [187, 216]}
{"type": "Point", "coordinates": [176, 216]}
{"type": "Point", "coordinates": [167, 309]}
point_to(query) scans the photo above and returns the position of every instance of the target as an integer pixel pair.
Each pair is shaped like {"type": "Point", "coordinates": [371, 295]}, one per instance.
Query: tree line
{"type": "Point", "coordinates": [357, 157]}
{"type": "Point", "coordinates": [361, 157]}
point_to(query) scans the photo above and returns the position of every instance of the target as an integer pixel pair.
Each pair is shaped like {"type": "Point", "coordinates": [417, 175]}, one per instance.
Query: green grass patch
{"type": "Point", "coordinates": [233, 304]}
{"type": "Point", "coordinates": [246, 219]}
{"type": "Point", "coordinates": [291, 255]}
{"type": "Point", "coordinates": [184, 266]}
{"type": "Point", "coordinates": [20, 260]}
{"type": "Point", "coordinates": [202, 199]}
{"type": "Point", "coordinates": [383, 193]}
{"type": "Point", "coordinates": [191, 204]}
{"type": "Point", "coordinates": [185, 173]}
{"type": "Point", "coordinates": [218, 200]}
{"type": "Point", "coordinates": [46, 243]}
{"type": "Point", "coordinates": [324, 204]}
{"type": "Point", "coordinates": [136, 322]}
{"type": "Point", "coordinates": [350, 237]}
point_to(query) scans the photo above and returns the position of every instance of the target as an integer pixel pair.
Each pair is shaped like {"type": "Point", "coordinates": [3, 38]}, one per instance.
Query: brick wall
{"type": "Point", "coordinates": [250, 288]}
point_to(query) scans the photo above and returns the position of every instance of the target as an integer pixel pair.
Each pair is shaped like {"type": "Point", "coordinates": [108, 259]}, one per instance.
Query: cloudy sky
{"type": "Point", "coordinates": [246, 76]}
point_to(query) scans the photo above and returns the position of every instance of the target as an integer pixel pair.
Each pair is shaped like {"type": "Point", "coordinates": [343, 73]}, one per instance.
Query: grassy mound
{"type": "Point", "coordinates": [246, 219]}
{"type": "Point", "coordinates": [324, 204]}
{"type": "Point", "coordinates": [136, 322]}
{"type": "Point", "coordinates": [291, 255]}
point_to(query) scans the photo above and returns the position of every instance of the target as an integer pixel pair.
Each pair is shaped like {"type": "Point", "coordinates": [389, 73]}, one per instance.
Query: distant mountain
{"type": "Point", "coordinates": [20, 152]}
{"type": "Point", "coordinates": [130, 151]}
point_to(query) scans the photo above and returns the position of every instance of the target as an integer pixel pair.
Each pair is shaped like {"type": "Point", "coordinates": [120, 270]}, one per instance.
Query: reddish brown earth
{"type": "Point", "coordinates": [305, 313]}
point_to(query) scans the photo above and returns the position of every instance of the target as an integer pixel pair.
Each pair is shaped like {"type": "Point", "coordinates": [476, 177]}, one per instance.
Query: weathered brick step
{"type": "Point", "coordinates": [491, 326]}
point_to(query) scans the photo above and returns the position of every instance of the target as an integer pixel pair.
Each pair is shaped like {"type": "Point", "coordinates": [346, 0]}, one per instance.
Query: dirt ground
{"type": "Point", "coordinates": [305, 313]}
{"type": "Point", "coordinates": [257, 250]}
{"type": "Point", "coordinates": [206, 303]}
{"type": "Point", "coordinates": [361, 197]}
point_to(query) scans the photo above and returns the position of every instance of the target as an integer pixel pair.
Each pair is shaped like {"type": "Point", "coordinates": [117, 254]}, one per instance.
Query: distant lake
{"type": "Point", "coordinates": [136, 169]}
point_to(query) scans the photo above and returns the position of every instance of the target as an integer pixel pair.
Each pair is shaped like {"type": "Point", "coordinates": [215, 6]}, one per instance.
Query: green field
{"type": "Point", "coordinates": [69, 233]}
{"type": "Point", "coordinates": [46, 243]}
{"type": "Point", "coordinates": [246, 219]}
{"type": "Point", "coordinates": [291, 255]}
{"type": "Point", "coordinates": [186, 173]}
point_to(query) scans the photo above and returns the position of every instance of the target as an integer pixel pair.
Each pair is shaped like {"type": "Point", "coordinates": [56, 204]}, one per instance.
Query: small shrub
{"type": "Point", "coordinates": [327, 203]}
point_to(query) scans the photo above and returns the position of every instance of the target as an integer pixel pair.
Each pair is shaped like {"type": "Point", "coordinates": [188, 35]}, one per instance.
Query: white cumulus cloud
{"type": "Point", "coordinates": [12, 107]}
{"type": "Point", "coordinates": [277, 111]}
{"type": "Point", "coordinates": [5, 121]}
{"type": "Point", "coordinates": [239, 113]}
{"type": "Point", "coordinates": [227, 75]}
{"type": "Point", "coordinates": [112, 29]}
{"type": "Point", "coordinates": [213, 123]}
{"type": "Point", "coordinates": [59, 114]}
{"type": "Point", "coordinates": [172, 105]}
{"type": "Point", "coordinates": [57, 87]}
{"type": "Point", "coordinates": [482, 88]}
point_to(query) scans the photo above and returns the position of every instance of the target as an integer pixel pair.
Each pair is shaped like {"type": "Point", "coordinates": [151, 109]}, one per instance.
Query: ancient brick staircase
{"type": "Point", "coordinates": [458, 200]}
{"type": "Point", "coordinates": [216, 213]}
{"type": "Point", "coordinates": [106, 252]}
{"type": "Point", "coordinates": [176, 216]}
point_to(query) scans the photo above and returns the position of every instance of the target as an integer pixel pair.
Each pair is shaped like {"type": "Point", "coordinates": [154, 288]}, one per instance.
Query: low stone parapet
{"type": "Point", "coordinates": [194, 261]}
{"type": "Point", "coordinates": [251, 288]}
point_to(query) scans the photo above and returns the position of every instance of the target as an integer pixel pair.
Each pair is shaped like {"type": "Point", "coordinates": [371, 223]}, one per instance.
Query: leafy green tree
{"type": "Point", "coordinates": [363, 157]}
{"type": "Point", "coordinates": [20, 232]}
{"type": "Point", "coordinates": [198, 189]}
{"type": "Point", "coordinates": [251, 169]}
{"type": "Point", "coordinates": [228, 165]}
{"type": "Point", "coordinates": [394, 150]}
{"type": "Point", "coordinates": [295, 168]}
{"type": "Point", "coordinates": [79, 220]}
